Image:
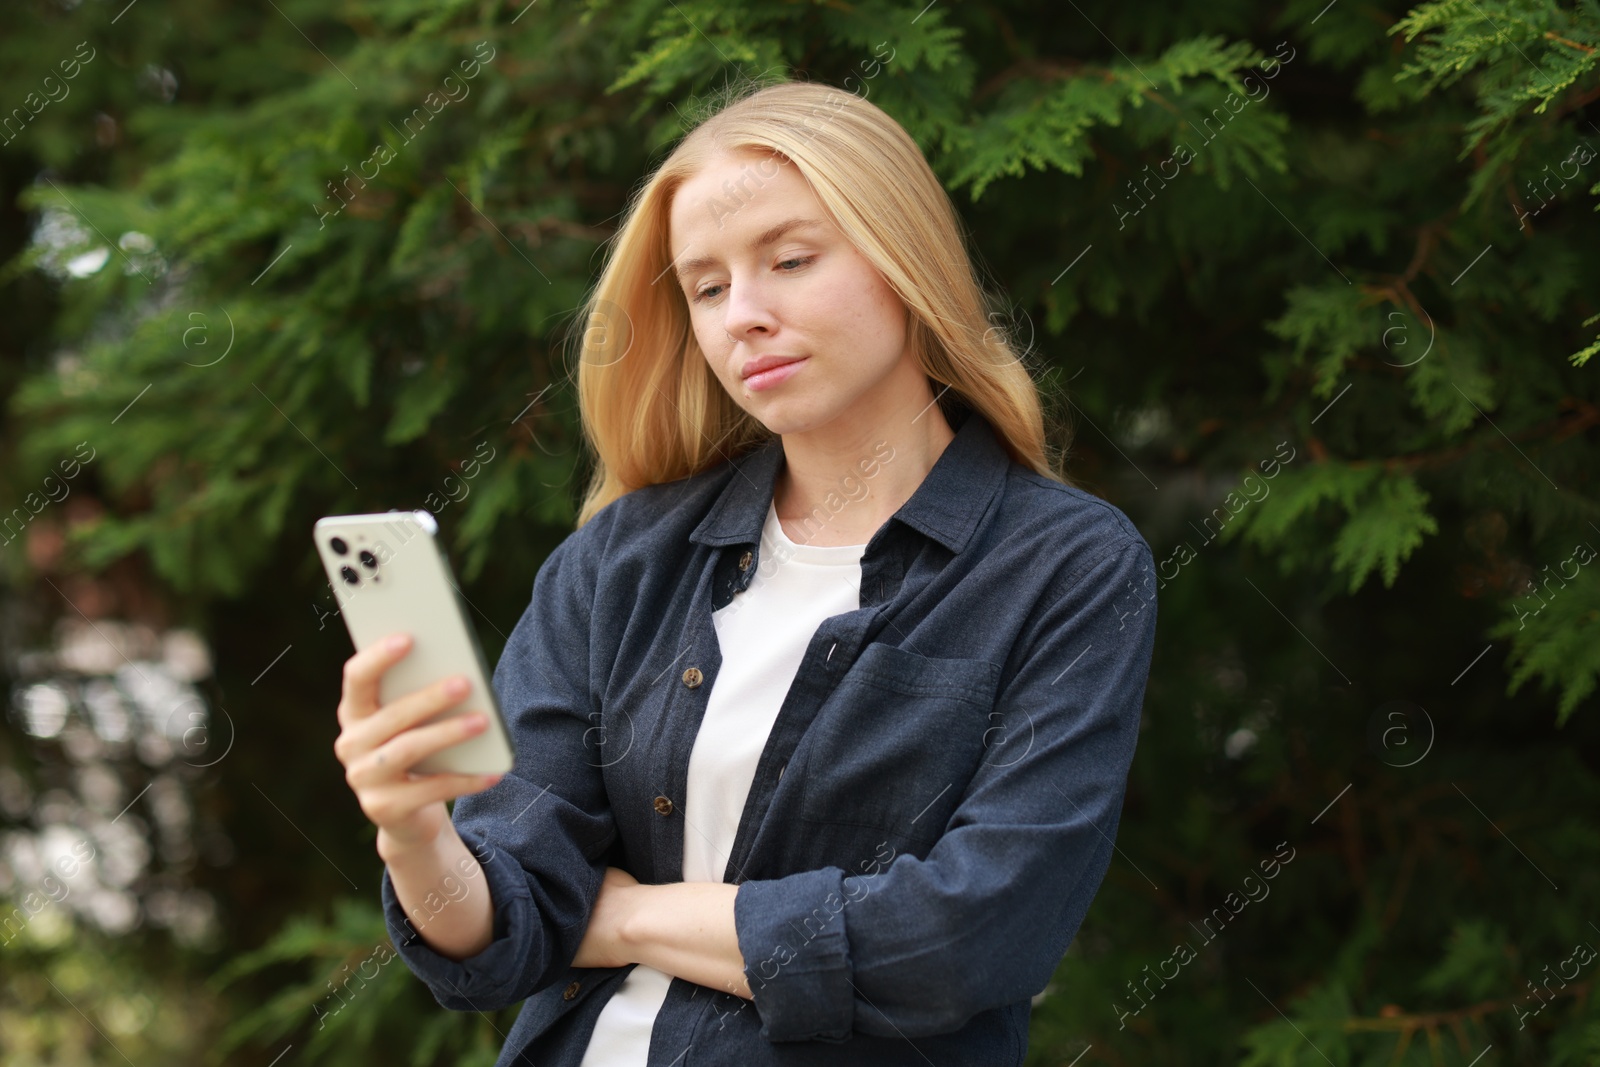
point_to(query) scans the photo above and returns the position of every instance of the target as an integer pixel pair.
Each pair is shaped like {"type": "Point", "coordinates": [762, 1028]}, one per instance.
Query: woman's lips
{"type": "Point", "coordinates": [769, 378]}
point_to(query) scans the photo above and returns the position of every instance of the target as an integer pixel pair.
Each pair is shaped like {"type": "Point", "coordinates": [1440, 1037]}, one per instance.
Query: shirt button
{"type": "Point", "coordinates": [692, 677]}
{"type": "Point", "coordinates": [571, 991]}
{"type": "Point", "coordinates": [744, 561]}
{"type": "Point", "coordinates": [663, 805]}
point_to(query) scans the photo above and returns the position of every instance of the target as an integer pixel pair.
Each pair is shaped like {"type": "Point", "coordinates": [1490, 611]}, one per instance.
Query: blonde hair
{"type": "Point", "coordinates": [652, 410]}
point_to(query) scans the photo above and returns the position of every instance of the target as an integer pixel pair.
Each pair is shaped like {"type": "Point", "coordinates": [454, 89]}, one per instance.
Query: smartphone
{"type": "Point", "coordinates": [388, 574]}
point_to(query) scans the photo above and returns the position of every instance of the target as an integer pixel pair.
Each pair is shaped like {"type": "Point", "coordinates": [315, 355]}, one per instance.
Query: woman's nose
{"type": "Point", "coordinates": [749, 307]}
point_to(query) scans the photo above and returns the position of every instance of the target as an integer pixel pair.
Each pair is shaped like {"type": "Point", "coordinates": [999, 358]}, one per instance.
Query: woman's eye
{"type": "Point", "coordinates": [802, 261]}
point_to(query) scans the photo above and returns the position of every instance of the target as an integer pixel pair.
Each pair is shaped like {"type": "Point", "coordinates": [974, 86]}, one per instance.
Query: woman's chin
{"type": "Point", "coordinates": [785, 418]}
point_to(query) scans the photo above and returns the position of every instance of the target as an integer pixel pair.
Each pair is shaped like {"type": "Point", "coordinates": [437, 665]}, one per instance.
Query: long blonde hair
{"type": "Point", "coordinates": [652, 410]}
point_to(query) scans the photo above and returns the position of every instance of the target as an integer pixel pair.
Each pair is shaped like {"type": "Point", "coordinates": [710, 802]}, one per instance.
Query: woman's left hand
{"type": "Point", "coordinates": [603, 944]}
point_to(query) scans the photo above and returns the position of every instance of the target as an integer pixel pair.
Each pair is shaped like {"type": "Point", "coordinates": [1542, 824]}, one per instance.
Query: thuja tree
{"type": "Point", "coordinates": [1311, 284]}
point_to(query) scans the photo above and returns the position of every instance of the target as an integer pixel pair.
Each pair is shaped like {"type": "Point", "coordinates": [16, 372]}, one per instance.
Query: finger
{"type": "Point", "coordinates": [390, 761]}
{"type": "Point", "coordinates": [359, 696]}
{"type": "Point", "coordinates": [406, 712]}
{"type": "Point", "coordinates": [365, 735]}
{"type": "Point", "coordinates": [391, 803]}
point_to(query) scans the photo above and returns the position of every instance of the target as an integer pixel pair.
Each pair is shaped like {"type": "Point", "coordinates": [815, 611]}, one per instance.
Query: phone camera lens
{"type": "Point", "coordinates": [368, 559]}
{"type": "Point", "coordinates": [348, 573]}
{"type": "Point", "coordinates": [338, 545]}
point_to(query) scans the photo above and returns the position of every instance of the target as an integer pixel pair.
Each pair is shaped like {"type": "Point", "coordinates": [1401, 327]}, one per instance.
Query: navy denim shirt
{"type": "Point", "coordinates": [931, 815]}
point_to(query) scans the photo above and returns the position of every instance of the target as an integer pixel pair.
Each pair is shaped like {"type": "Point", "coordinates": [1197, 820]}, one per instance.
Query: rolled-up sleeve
{"type": "Point", "coordinates": [800, 994]}
{"type": "Point", "coordinates": [541, 833]}
{"type": "Point", "coordinates": [921, 945]}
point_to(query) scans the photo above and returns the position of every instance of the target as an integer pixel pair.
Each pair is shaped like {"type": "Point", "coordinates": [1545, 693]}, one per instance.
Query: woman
{"type": "Point", "coordinates": [824, 537]}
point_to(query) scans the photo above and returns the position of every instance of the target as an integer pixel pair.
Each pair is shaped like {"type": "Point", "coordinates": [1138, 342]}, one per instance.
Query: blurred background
{"type": "Point", "coordinates": [1314, 286]}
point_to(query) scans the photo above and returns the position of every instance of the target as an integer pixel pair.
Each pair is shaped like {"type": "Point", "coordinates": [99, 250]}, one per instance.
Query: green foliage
{"type": "Point", "coordinates": [1327, 318]}
{"type": "Point", "coordinates": [1458, 37]}
{"type": "Point", "coordinates": [1583, 356]}
{"type": "Point", "coordinates": [1385, 519]}
{"type": "Point", "coordinates": [71, 995]}
{"type": "Point", "coordinates": [1313, 1033]}
{"type": "Point", "coordinates": [353, 1010]}
{"type": "Point", "coordinates": [1476, 963]}
{"type": "Point", "coordinates": [1554, 635]}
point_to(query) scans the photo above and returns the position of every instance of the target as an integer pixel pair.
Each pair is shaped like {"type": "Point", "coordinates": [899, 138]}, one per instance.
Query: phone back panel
{"type": "Point", "coordinates": [393, 576]}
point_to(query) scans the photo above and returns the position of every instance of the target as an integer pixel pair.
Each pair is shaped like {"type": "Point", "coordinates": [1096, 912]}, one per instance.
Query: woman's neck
{"type": "Point", "coordinates": [840, 491]}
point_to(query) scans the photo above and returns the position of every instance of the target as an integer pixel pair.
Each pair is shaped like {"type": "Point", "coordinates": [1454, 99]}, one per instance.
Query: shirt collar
{"type": "Point", "coordinates": [946, 507]}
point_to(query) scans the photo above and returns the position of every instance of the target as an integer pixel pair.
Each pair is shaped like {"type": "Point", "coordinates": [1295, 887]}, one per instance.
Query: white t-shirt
{"type": "Point", "coordinates": [763, 634]}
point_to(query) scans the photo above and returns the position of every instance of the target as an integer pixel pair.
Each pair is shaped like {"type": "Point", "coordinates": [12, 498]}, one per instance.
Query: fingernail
{"type": "Point", "coordinates": [456, 686]}
{"type": "Point", "coordinates": [397, 642]}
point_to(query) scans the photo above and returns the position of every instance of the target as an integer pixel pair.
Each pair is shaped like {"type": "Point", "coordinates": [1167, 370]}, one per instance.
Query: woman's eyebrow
{"type": "Point", "coordinates": [765, 237]}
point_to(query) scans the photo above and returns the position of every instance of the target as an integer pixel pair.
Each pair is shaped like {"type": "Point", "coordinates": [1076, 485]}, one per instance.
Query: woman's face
{"type": "Point", "coordinates": [758, 288]}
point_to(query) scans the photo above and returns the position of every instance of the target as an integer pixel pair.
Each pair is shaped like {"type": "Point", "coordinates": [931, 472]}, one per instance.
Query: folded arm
{"type": "Point", "coordinates": [919, 946]}
{"type": "Point", "coordinates": [684, 929]}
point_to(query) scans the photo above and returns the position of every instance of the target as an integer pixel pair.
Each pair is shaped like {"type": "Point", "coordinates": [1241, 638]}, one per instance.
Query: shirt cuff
{"type": "Point", "coordinates": [478, 983]}
{"type": "Point", "coordinates": [797, 958]}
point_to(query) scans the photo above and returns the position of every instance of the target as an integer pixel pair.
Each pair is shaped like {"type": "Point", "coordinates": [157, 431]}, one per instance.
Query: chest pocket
{"type": "Point", "coordinates": [897, 742]}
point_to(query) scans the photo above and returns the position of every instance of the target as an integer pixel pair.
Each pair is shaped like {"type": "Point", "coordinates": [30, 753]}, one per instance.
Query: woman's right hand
{"type": "Point", "coordinates": [379, 745]}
